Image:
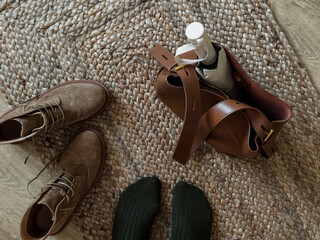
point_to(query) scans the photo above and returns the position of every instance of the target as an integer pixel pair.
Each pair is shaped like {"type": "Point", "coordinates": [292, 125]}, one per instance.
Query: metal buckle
{"type": "Point", "coordinates": [180, 67]}
{"type": "Point", "coordinates": [268, 135]}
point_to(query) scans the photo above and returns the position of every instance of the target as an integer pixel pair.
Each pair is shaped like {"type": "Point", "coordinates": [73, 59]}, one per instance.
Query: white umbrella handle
{"type": "Point", "coordinates": [196, 34]}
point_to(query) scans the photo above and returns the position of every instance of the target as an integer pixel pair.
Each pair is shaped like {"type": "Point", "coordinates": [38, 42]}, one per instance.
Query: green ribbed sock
{"type": "Point", "coordinates": [136, 210]}
{"type": "Point", "coordinates": [191, 213]}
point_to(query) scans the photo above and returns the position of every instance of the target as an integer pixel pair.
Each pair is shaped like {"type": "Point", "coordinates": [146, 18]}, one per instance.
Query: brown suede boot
{"type": "Point", "coordinates": [60, 106]}
{"type": "Point", "coordinates": [78, 169]}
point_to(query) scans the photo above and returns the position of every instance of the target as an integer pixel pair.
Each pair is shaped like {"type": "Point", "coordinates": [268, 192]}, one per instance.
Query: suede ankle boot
{"type": "Point", "coordinates": [77, 171]}
{"type": "Point", "coordinates": [60, 106]}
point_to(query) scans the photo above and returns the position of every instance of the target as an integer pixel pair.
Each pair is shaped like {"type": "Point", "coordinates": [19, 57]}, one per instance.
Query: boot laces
{"type": "Point", "coordinates": [62, 185]}
{"type": "Point", "coordinates": [48, 124]}
{"type": "Point", "coordinates": [51, 115]}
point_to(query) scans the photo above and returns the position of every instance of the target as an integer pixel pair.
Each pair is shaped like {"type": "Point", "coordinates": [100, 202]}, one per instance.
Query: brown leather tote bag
{"type": "Point", "coordinates": [238, 127]}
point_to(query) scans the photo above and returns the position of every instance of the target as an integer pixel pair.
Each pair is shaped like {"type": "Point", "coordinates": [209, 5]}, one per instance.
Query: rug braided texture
{"type": "Point", "coordinates": [44, 43]}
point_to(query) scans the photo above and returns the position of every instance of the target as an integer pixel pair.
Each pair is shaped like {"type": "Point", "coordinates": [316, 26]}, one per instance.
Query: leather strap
{"type": "Point", "coordinates": [263, 127]}
{"type": "Point", "coordinates": [163, 56]}
{"type": "Point", "coordinates": [223, 109]}
{"type": "Point", "coordinates": [191, 88]}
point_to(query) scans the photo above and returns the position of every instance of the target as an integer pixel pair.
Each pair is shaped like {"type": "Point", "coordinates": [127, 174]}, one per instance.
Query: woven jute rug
{"type": "Point", "coordinates": [44, 43]}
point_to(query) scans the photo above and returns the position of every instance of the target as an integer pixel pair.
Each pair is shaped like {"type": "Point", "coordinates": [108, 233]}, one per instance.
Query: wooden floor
{"type": "Point", "coordinates": [298, 18]}
{"type": "Point", "coordinates": [300, 21]}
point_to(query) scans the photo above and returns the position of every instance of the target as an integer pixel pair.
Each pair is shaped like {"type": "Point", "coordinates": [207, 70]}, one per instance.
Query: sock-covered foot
{"type": "Point", "coordinates": [191, 213]}
{"type": "Point", "coordinates": [136, 210]}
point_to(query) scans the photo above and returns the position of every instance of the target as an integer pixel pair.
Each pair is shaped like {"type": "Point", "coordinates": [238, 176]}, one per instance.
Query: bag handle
{"type": "Point", "coordinates": [191, 88]}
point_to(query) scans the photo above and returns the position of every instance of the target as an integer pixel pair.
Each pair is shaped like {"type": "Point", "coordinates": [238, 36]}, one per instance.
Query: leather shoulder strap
{"type": "Point", "coordinates": [191, 88]}
{"type": "Point", "coordinates": [223, 109]}
{"type": "Point", "coordinates": [163, 56]}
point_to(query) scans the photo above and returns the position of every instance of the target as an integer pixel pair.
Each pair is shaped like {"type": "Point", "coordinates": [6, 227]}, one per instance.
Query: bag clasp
{"type": "Point", "coordinates": [268, 135]}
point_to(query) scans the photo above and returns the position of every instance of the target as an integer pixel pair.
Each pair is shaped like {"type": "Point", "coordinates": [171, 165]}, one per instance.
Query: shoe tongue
{"type": "Point", "coordinates": [28, 123]}
{"type": "Point", "coordinates": [51, 199]}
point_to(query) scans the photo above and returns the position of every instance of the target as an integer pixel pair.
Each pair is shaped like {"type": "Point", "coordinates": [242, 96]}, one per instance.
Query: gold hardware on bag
{"type": "Point", "coordinates": [238, 79]}
{"type": "Point", "coordinates": [180, 67]}
{"type": "Point", "coordinates": [268, 135]}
